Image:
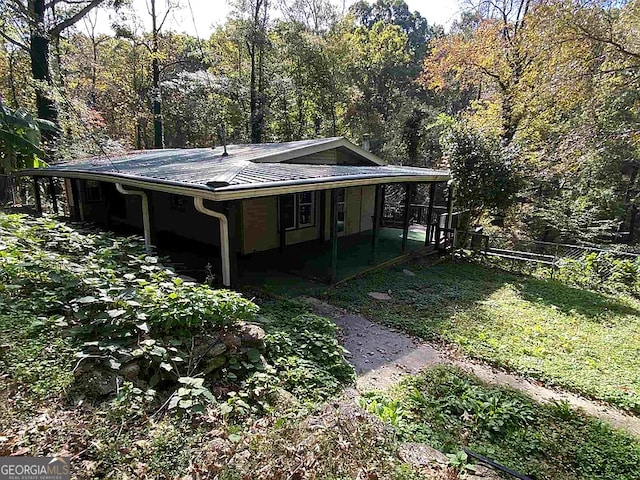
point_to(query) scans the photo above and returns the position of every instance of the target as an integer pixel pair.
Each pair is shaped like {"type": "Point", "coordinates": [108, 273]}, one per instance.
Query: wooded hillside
{"type": "Point", "coordinates": [532, 103]}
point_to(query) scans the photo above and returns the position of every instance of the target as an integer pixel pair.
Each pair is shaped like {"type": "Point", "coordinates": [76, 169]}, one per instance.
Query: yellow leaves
{"type": "Point", "coordinates": [466, 59]}
{"type": "Point", "coordinates": [383, 45]}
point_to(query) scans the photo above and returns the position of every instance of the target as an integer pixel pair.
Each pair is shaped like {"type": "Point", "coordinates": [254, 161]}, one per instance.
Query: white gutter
{"type": "Point", "coordinates": [198, 202]}
{"type": "Point", "coordinates": [234, 193]}
{"type": "Point", "coordinates": [146, 222]}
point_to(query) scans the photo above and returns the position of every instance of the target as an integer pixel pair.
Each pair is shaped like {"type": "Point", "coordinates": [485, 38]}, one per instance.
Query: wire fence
{"type": "Point", "coordinates": [601, 262]}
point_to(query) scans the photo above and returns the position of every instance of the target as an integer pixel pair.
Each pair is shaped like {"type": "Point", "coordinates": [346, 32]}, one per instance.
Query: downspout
{"type": "Point", "coordinates": [198, 202]}
{"type": "Point", "coordinates": [146, 222]}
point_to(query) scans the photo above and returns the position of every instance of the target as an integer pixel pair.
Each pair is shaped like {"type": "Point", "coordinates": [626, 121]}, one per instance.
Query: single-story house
{"type": "Point", "coordinates": [244, 199]}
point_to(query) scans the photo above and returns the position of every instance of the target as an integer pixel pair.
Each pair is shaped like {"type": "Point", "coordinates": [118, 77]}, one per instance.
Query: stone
{"type": "Point", "coordinates": [380, 296]}
{"type": "Point", "coordinates": [218, 349]}
{"type": "Point", "coordinates": [252, 335]}
{"type": "Point", "coordinates": [99, 383]}
{"type": "Point", "coordinates": [483, 472]}
{"type": "Point", "coordinates": [231, 340]}
{"type": "Point", "coordinates": [421, 455]}
{"type": "Point", "coordinates": [130, 371]}
{"type": "Point", "coordinates": [408, 273]}
{"type": "Point", "coordinates": [215, 363]}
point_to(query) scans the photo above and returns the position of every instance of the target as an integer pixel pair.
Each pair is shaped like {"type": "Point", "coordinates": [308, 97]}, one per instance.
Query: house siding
{"type": "Point", "coordinates": [260, 219]}
{"type": "Point", "coordinates": [260, 225]}
{"type": "Point", "coordinates": [328, 157]}
{"type": "Point", "coordinates": [367, 208]}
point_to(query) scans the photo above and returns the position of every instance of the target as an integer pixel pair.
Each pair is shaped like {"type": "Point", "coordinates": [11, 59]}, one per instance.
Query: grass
{"type": "Point", "coordinates": [301, 428]}
{"type": "Point", "coordinates": [578, 339]}
{"type": "Point", "coordinates": [450, 410]}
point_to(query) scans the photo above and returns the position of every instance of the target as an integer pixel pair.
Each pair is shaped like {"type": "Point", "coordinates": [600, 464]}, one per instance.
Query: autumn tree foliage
{"type": "Point", "coordinates": [551, 84]}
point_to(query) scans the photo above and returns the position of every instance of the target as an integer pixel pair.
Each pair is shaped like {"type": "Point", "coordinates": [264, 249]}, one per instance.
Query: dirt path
{"type": "Point", "coordinates": [382, 355]}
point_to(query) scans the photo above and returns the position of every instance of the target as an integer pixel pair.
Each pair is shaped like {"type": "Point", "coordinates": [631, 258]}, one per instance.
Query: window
{"type": "Point", "coordinates": [288, 211]}
{"type": "Point", "coordinates": [177, 202]}
{"type": "Point", "coordinates": [297, 210]}
{"type": "Point", "coordinates": [305, 209]}
{"type": "Point", "coordinates": [341, 211]}
{"type": "Point", "coordinates": [92, 191]}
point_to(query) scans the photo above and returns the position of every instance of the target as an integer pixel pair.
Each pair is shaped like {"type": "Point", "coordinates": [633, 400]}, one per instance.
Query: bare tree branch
{"type": "Point", "coordinates": [56, 30]}
{"type": "Point", "coordinates": [13, 41]}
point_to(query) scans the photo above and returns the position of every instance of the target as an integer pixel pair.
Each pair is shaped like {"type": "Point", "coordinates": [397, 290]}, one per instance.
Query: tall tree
{"type": "Point", "coordinates": [496, 54]}
{"type": "Point", "coordinates": [37, 16]}
{"type": "Point", "coordinates": [254, 15]}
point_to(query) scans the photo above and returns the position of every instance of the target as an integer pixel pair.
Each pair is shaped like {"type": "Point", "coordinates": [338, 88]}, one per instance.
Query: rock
{"type": "Point", "coordinates": [408, 273]}
{"type": "Point", "coordinates": [380, 296]}
{"type": "Point", "coordinates": [98, 383]}
{"type": "Point", "coordinates": [421, 455]}
{"type": "Point", "coordinates": [252, 335]}
{"type": "Point", "coordinates": [214, 364]}
{"type": "Point", "coordinates": [231, 340]}
{"type": "Point", "coordinates": [283, 398]}
{"type": "Point", "coordinates": [130, 371]}
{"type": "Point", "coordinates": [482, 473]}
{"type": "Point", "coordinates": [218, 349]}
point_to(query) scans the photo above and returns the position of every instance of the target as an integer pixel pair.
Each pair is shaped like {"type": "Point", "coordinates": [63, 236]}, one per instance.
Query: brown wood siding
{"type": "Point", "coordinates": [328, 157]}
{"type": "Point", "coordinates": [260, 224]}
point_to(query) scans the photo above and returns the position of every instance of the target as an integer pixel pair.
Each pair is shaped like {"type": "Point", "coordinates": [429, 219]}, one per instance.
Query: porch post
{"type": "Point", "coordinates": [74, 205]}
{"type": "Point", "coordinates": [52, 192]}
{"type": "Point", "coordinates": [334, 236]}
{"type": "Point", "coordinates": [450, 194]}
{"type": "Point", "coordinates": [432, 199]}
{"type": "Point", "coordinates": [376, 223]}
{"type": "Point", "coordinates": [407, 208]}
{"type": "Point", "coordinates": [323, 213]}
{"type": "Point", "coordinates": [283, 230]}
{"type": "Point", "coordinates": [36, 193]}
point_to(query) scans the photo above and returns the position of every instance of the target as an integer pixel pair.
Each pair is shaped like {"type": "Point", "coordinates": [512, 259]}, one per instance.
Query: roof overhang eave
{"type": "Point", "coordinates": [235, 192]}
{"type": "Point", "coordinates": [238, 192]}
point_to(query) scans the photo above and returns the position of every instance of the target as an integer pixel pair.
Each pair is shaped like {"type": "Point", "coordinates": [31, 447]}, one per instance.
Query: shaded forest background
{"type": "Point", "coordinates": [533, 104]}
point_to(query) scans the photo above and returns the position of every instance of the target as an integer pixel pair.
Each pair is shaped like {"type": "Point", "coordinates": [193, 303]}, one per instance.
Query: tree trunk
{"type": "Point", "coordinates": [39, 53]}
{"type": "Point", "coordinates": [256, 52]}
{"type": "Point", "coordinates": [12, 80]}
{"type": "Point", "coordinates": [253, 102]}
{"type": "Point", "coordinates": [158, 134]}
{"type": "Point", "coordinates": [629, 205]}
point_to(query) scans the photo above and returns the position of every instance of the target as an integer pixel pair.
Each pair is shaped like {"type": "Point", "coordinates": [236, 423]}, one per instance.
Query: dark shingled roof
{"type": "Point", "coordinates": [246, 166]}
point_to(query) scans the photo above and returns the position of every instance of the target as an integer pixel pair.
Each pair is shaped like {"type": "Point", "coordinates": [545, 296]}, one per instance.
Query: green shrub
{"type": "Point", "coordinates": [450, 409]}
{"type": "Point", "coordinates": [602, 271]}
{"type": "Point", "coordinates": [127, 329]}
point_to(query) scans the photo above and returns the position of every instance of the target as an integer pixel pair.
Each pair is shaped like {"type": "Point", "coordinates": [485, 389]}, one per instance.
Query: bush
{"type": "Point", "coordinates": [602, 271]}
{"type": "Point", "coordinates": [485, 174]}
{"type": "Point", "coordinates": [450, 409]}
{"type": "Point", "coordinates": [144, 335]}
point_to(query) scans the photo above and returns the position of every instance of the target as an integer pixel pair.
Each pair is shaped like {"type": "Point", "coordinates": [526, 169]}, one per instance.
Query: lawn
{"type": "Point", "coordinates": [585, 341]}
{"type": "Point", "coordinates": [93, 333]}
{"type": "Point", "coordinates": [274, 408]}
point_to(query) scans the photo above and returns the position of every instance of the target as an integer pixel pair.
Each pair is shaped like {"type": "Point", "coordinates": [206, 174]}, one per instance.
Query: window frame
{"type": "Point", "coordinates": [177, 202]}
{"type": "Point", "coordinates": [296, 211]}
{"type": "Point", "coordinates": [92, 191]}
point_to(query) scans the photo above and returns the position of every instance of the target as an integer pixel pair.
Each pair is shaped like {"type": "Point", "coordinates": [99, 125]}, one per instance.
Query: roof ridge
{"type": "Point", "coordinates": [227, 177]}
